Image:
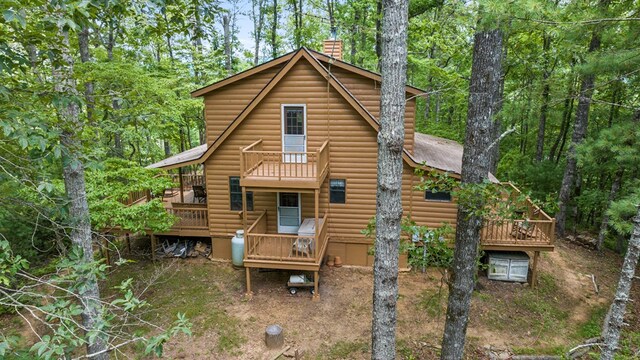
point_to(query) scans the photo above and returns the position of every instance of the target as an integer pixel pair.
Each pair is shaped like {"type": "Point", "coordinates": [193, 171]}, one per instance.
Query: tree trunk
{"type": "Point", "coordinates": [612, 329]}
{"type": "Point", "coordinates": [378, 33]}
{"type": "Point", "coordinates": [614, 107]}
{"type": "Point", "coordinates": [167, 33]}
{"type": "Point", "coordinates": [167, 148]}
{"type": "Point", "coordinates": [74, 181]}
{"type": "Point", "coordinates": [118, 149]}
{"type": "Point", "coordinates": [484, 91]}
{"type": "Point", "coordinates": [363, 36]}
{"type": "Point", "coordinates": [258, 20]}
{"type": "Point", "coordinates": [615, 187]}
{"type": "Point", "coordinates": [85, 56]}
{"type": "Point", "coordinates": [544, 108]}
{"type": "Point", "coordinates": [296, 24]}
{"type": "Point", "coordinates": [111, 40]}
{"type": "Point", "coordinates": [354, 35]}
{"type": "Point", "coordinates": [227, 44]}
{"type": "Point", "coordinates": [197, 42]}
{"type": "Point", "coordinates": [274, 31]}
{"type": "Point", "coordinates": [567, 111]}
{"type": "Point", "coordinates": [496, 125]}
{"type": "Point", "coordinates": [389, 194]}
{"type": "Point", "coordinates": [579, 134]}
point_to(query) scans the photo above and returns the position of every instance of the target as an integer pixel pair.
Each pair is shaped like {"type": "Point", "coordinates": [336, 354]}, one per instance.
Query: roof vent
{"type": "Point", "coordinates": [333, 48]}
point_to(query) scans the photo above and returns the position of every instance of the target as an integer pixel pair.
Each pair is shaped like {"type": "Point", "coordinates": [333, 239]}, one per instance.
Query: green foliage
{"type": "Point", "coordinates": [109, 190]}
{"type": "Point", "coordinates": [155, 345]}
{"type": "Point", "coordinates": [622, 211]}
{"type": "Point", "coordinates": [593, 327]}
{"type": "Point", "coordinates": [60, 306]}
{"type": "Point", "coordinates": [486, 199]}
{"type": "Point", "coordinates": [10, 265]}
{"type": "Point", "coordinates": [430, 247]}
{"type": "Point", "coordinates": [415, 240]}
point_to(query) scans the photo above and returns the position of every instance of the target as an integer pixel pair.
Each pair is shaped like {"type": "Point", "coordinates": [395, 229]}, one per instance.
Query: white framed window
{"type": "Point", "coordinates": [294, 132]}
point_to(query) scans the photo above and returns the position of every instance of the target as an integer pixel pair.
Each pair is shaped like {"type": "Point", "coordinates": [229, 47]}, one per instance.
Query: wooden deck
{"type": "Point", "coordinates": [285, 251]}
{"type": "Point", "coordinates": [515, 236]}
{"type": "Point", "coordinates": [277, 169]}
{"type": "Point", "coordinates": [193, 218]}
{"type": "Point", "coordinates": [534, 230]}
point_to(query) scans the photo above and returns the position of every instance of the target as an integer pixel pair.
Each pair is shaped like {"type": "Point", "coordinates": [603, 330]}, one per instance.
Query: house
{"type": "Point", "coordinates": [290, 158]}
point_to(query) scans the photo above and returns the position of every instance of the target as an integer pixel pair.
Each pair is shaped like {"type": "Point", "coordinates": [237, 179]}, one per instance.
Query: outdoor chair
{"type": "Point", "coordinates": [199, 193]}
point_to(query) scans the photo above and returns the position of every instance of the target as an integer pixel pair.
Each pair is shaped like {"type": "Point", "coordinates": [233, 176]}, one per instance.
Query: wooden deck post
{"type": "Point", "coordinates": [153, 247]}
{"type": "Point", "coordinates": [249, 293]}
{"type": "Point", "coordinates": [316, 293]}
{"type": "Point", "coordinates": [534, 270]}
{"type": "Point", "coordinates": [181, 184]}
{"type": "Point", "coordinates": [244, 212]}
{"type": "Point", "coordinates": [317, 226]}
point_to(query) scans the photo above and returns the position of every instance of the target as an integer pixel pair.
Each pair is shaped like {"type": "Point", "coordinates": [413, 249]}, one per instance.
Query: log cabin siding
{"type": "Point", "coordinates": [353, 157]}
{"type": "Point", "coordinates": [223, 105]}
{"type": "Point", "coordinates": [367, 91]}
{"type": "Point", "coordinates": [424, 212]}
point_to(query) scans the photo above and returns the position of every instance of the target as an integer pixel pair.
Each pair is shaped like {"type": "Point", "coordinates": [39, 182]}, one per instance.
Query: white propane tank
{"type": "Point", "coordinates": [237, 248]}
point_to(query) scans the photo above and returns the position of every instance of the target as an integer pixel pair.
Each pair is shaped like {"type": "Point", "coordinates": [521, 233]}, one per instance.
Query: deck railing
{"type": "Point", "coordinates": [284, 247]}
{"type": "Point", "coordinates": [282, 165]}
{"type": "Point", "coordinates": [136, 196]}
{"type": "Point", "coordinates": [190, 216]}
{"type": "Point", "coordinates": [533, 227]}
{"type": "Point", "coordinates": [188, 180]}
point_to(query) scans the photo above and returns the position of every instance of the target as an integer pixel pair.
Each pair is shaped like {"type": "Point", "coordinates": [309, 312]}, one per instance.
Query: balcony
{"type": "Point", "coordinates": [278, 169]}
{"type": "Point", "coordinates": [285, 251]}
{"type": "Point", "coordinates": [531, 230]}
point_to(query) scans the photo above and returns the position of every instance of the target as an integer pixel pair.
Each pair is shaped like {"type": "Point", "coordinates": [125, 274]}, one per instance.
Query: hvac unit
{"type": "Point", "coordinates": [508, 266]}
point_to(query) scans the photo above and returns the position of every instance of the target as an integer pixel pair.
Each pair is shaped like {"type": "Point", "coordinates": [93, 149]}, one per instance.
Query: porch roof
{"type": "Point", "coordinates": [439, 153]}
{"type": "Point", "coordinates": [184, 158]}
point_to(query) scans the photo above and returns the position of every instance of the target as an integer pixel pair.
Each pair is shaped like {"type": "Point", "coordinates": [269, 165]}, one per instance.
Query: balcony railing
{"type": "Point", "coordinates": [533, 227]}
{"type": "Point", "coordinates": [190, 216]}
{"type": "Point", "coordinates": [284, 247]}
{"type": "Point", "coordinates": [256, 164]}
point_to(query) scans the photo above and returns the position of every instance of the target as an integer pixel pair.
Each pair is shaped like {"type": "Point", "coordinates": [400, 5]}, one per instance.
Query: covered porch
{"type": "Point", "coordinates": [284, 239]}
{"type": "Point", "coordinates": [186, 199]}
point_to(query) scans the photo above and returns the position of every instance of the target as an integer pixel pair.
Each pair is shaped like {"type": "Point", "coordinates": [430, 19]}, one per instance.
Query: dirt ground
{"type": "Point", "coordinates": [506, 318]}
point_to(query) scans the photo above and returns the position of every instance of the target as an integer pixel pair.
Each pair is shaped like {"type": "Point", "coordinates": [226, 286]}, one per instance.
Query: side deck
{"type": "Point", "coordinates": [191, 213]}
{"type": "Point", "coordinates": [531, 229]}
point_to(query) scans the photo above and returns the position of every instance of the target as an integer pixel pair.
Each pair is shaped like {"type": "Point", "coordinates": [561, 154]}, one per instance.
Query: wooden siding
{"type": "Point", "coordinates": [223, 105]}
{"type": "Point", "coordinates": [367, 92]}
{"type": "Point", "coordinates": [352, 157]}
{"type": "Point", "coordinates": [425, 212]}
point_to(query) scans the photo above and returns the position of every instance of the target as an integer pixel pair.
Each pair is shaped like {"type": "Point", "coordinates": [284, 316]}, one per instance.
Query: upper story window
{"type": "Point", "coordinates": [235, 195]}
{"type": "Point", "coordinates": [437, 195]}
{"type": "Point", "coordinates": [293, 120]}
{"type": "Point", "coordinates": [337, 191]}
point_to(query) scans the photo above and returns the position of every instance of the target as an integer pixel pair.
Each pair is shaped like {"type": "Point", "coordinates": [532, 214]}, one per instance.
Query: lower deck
{"type": "Point", "coordinates": [269, 246]}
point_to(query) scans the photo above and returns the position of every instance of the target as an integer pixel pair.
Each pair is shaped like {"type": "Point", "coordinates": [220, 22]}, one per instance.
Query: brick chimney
{"type": "Point", "coordinates": [333, 48]}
